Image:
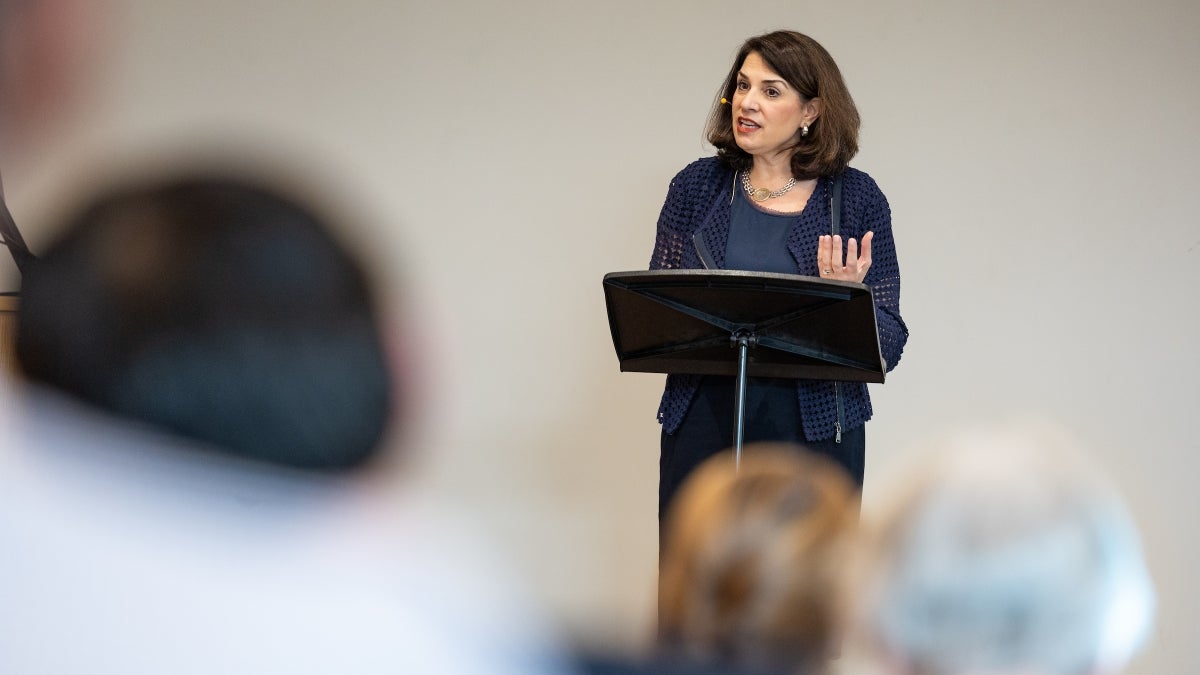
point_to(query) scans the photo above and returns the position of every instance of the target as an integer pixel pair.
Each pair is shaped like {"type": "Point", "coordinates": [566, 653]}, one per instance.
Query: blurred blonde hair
{"type": "Point", "coordinates": [750, 559]}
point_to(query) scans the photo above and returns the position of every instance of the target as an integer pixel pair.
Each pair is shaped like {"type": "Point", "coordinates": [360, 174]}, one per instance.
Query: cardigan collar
{"type": "Point", "coordinates": [811, 223]}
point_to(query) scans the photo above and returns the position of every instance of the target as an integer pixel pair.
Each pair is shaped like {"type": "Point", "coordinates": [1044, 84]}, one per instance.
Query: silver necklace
{"type": "Point", "coordinates": [763, 194]}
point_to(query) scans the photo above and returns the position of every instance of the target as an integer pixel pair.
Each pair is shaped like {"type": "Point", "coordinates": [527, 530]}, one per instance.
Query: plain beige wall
{"type": "Point", "coordinates": [1040, 158]}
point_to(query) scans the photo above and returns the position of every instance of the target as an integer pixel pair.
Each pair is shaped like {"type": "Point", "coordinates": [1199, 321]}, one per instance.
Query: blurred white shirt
{"type": "Point", "coordinates": [126, 551]}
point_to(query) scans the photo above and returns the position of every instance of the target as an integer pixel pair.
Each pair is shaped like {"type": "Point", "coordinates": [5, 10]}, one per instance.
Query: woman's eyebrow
{"type": "Point", "coordinates": [742, 76]}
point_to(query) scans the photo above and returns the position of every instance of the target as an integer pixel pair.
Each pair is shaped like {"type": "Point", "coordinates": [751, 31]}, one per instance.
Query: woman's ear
{"type": "Point", "coordinates": [812, 110]}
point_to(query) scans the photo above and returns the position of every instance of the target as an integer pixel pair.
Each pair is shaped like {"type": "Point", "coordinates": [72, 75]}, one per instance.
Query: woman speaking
{"type": "Point", "coordinates": [785, 128]}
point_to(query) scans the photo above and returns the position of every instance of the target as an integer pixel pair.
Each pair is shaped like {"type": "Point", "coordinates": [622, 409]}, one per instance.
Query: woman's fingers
{"type": "Point", "coordinates": [830, 264]}
{"type": "Point", "coordinates": [839, 267]}
{"type": "Point", "coordinates": [864, 256]}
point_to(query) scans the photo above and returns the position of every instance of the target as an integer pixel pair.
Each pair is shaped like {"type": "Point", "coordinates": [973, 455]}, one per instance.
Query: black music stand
{"type": "Point", "coordinates": [757, 324]}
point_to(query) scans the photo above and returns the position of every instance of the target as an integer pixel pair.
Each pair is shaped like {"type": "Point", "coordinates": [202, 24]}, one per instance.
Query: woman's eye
{"type": "Point", "coordinates": [772, 92]}
{"type": "Point", "coordinates": [742, 86]}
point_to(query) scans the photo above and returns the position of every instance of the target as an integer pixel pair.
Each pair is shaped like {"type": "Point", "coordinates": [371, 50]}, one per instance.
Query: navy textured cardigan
{"type": "Point", "coordinates": [699, 200]}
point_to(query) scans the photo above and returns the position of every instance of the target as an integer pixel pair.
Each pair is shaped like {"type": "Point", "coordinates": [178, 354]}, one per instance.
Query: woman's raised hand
{"type": "Point", "coordinates": [829, 258]}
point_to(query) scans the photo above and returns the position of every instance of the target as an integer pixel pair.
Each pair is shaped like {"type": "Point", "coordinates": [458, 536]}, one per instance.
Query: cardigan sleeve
{"type": "Point", "coordinates": [884, 275]}
{"type": "Point", "coordinates": [690, 192]}
{"type": "Point", "coordinates": [670, 238]}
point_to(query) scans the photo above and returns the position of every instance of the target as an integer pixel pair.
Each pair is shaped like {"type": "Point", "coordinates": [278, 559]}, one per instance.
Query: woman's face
{"type": "Point", "coordinates": [767, 111]}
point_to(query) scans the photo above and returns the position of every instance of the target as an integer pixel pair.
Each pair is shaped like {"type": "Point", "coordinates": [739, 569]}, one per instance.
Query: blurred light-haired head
{"type": "Point", "coordinates": [750, 557]}
{"type": "Point", "coordinates": [1004, 551]}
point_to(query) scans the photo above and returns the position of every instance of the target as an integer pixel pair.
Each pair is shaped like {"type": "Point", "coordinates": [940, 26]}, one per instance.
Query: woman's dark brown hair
{"type": "Point", "coordinates": [805, 65]}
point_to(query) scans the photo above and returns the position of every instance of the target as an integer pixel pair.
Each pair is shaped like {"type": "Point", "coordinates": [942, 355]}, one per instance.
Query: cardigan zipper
{"type": "Point", "coordinates": [835, 217]}
{"type": "Point", "coordinates": [706, 258]}
{"type": "Point", "coordinates": [841, 414]}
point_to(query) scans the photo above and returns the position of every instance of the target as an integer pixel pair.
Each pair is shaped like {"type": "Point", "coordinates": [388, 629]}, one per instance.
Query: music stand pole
{"type": "Point", "coordinates": [743, 340]}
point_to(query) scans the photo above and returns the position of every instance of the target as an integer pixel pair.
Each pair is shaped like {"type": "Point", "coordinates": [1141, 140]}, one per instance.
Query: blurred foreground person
{"type": "Point", "coordinates": [190, 479]}
{"type": "Point", "coordinates": [1005, 553]}
{"type": "Point", "coordinates": [218, 309]}
{"type": "Point", "coordinates": [128, 549]}
{"type": "Point", "coordinates": [750, 559]}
